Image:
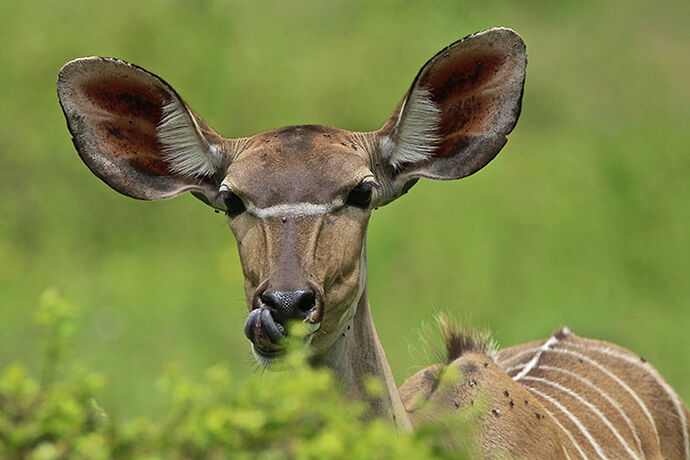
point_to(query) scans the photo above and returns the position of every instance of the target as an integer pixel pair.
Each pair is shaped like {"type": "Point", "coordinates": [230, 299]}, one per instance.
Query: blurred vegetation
{"type": "Point", "coordinates": [273, 417]}
{"type": "Point", "coordinates": [584, 218]}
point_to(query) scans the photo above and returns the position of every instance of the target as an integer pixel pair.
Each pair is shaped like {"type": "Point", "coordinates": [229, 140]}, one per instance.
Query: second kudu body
{"type": "Point", "coordinates": [298, 200]}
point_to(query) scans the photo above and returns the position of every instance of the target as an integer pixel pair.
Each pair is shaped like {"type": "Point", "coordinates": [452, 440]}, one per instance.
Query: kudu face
{"type": "Point", "coordinates": [298, 199]}
{"type": "Point", "coordinates": [302, 198]}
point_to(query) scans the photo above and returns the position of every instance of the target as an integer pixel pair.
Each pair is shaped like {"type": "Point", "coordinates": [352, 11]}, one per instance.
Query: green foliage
{"type": "Point", "coordinates": [297, 413]}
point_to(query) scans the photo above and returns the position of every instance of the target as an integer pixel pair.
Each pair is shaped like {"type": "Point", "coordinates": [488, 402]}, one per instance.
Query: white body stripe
{"type": "Point", "coordinates": [618, 380]}
{"type": "Point", "coordinates": [533, 362]}
{"type": "Point", "coordinates": [520, 355]}
{"type": "Point", "coordinates": [567, 433]}
{"type": "Point", "coordinates": [565, 452]}
{"type": "Point", "coordinates": [604, 395]}
{"type": "Point", "coordinates": [574, 419]}
{"type": "Point", "coordinates": [514, 368]}
{"type": "Point", "coordinates": [591, 406]}
{"type": "Point", "coordinates": [647, 367]}
{"type": "Point", "coordinates": [611, 375]}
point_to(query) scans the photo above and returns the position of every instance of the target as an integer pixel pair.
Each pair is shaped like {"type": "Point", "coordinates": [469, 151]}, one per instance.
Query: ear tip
{"type": "Point", "coordinates": [90, 65]}
{"type": "Point", "coordinates": [77, 68]}
{"type": "Point", "coordinates": [502, 37]}
{"type": "Point", "coordinates": [81, 62]}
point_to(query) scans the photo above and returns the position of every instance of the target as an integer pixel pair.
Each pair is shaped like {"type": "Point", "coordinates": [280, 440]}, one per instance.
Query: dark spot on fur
{"type": "Point", "coordinates": [469, 368]}
{"type": "Point", "coordinates": [429, 377]}
{"type": "Point", "coordinates": [561, 334]}
{"type": "Point", "coordinates": [512, 404]}
{"type": "Point", "coordinates": [115, 132]}
{"type": "Point", "coordinates": [506, 393]}
{"type": "Point", "coordinates": [496, 412]}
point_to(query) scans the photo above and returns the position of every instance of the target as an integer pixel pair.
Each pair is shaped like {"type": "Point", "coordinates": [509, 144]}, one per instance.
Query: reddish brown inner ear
{"type": "Point", "coordinates": [467, 90]}
{"type": "Point", "coordinates": [123, 115]}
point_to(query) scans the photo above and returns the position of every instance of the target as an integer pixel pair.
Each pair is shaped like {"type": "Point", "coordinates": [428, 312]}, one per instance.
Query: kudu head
{"type": "Point", "coordinates": [298, 198]}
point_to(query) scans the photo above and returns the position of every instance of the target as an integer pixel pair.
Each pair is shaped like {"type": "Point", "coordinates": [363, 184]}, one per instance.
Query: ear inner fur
{"type": "Point", "coordinates": [460, 108]}
{"type": "Point", "coordinates": [185, 149]}
{"type": "Point", "coordinates": [115, 111]}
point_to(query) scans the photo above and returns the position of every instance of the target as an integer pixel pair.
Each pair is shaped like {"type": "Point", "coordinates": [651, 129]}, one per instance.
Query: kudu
{"type": "Point", "coordinates": [298, 200]}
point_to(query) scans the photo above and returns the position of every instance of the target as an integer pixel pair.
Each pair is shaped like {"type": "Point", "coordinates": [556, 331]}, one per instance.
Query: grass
{"type": "Point", "coordinates": [584, 219]}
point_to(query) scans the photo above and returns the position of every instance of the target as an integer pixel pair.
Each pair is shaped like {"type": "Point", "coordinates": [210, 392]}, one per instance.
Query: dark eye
{"type": "Point", "coordinates": [360, 196]}
{"type": "Point", "coordinates": [233, 204]}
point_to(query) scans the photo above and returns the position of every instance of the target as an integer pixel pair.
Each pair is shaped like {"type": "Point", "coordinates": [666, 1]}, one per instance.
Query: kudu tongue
{"type": "Point", "coordinates": [272, 329]}
{"type": "Point", "coordinates": [262, 329]}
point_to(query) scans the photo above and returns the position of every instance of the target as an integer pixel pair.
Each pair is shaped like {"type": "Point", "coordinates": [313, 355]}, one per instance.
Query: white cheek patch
{"type": "Point", "coordinates": [294, 209]}
{"type": "Point", "coordinates": [185, 149]}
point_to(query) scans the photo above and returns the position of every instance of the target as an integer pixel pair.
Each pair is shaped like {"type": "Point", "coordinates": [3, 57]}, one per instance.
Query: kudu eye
{"type": "Point", "coordinates": [360, 196]}
{"type": "Point", "coordinates": [234, 205]}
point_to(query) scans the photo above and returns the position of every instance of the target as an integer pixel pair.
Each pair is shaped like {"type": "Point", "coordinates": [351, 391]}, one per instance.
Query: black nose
{"type": "Point", "coordinates": [287, 305]}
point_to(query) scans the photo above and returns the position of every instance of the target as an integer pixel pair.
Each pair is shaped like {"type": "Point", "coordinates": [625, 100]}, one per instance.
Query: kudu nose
{"type": "Point", "coordinates": [287, 305]}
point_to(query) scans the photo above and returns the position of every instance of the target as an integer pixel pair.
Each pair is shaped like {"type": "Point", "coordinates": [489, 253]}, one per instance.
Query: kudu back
{"type": "Point", "coordinates": [298, 200]}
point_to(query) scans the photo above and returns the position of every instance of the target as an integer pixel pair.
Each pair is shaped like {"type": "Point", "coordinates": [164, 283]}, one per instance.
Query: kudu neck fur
{"type": "Point", "coordinates": [357, 355]}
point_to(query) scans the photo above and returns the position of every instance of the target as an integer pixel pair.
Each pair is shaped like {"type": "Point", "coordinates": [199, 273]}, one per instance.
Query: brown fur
{"type": "Point", "coordinates": [570, 360]}
{"type": "Point", "coordinates": [504, 418]}
{"type": "Point", "coordinates": [516, 419]}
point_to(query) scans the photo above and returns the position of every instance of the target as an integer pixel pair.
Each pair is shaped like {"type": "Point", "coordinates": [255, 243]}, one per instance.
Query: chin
{"type": "Point", "coordinates": [267, 360]}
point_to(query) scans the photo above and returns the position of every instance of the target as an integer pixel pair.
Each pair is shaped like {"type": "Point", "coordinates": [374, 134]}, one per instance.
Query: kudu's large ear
{"type": "Point", "coordinates": [462, 104]}
{"type": "Point", "coordinates": [135, 133]}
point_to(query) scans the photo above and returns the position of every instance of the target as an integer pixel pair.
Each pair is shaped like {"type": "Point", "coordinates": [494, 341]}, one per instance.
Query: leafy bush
{"type": "Point", "coordinates": [295, 413]}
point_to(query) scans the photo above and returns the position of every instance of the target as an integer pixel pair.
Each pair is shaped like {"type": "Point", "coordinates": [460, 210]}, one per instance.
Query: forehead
{"type": "Point", "coordinates": [307, 163]}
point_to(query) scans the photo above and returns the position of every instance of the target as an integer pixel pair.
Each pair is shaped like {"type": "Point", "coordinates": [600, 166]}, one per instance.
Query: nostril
{"type": "Point", "coordinates": [306, 302]}
{"type": "Point", "coordinates": [286, 305]}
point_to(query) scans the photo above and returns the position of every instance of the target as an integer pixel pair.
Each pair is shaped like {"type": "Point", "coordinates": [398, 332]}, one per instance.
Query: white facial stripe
{"type": "Point", "coordinates": [294, 209]}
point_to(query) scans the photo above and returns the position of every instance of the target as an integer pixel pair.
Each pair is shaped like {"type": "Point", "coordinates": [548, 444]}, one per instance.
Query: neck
{"type": "Point", "coordinates": [356, 356]}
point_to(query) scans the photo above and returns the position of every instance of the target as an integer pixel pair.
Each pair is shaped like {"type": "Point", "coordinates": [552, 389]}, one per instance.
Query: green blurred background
{"type": "Point", "coordinates": [583, 220]}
